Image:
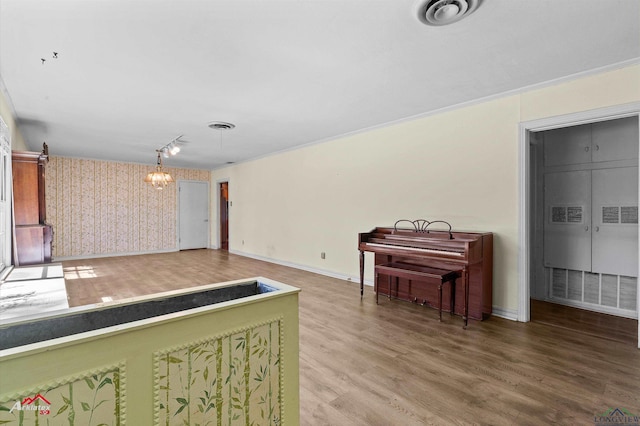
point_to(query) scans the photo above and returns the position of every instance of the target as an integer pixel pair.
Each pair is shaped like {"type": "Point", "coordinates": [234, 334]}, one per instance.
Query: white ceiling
{"type": "Point", "coordinates": [131, 75]}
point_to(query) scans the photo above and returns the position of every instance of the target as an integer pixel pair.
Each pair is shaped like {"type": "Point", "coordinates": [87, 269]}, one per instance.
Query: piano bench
{"type": "Point", "coordinates": [419, 273]}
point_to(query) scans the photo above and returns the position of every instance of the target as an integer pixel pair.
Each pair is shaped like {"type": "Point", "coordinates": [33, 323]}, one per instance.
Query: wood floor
{"type": "Point", "coordinates": [594, 324]}
{"type": "Point", "coordinates": [394, 363]}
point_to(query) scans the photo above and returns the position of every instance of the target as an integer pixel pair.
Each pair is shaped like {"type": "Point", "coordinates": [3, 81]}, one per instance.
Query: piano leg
{"type": "Point", "coordinates": [465, 313]}
{"type": "Point", "coordinates": [375, 286]}
{"type": "Point", "coordinates": [452, 299]}
{"type": "Point", "coordinates": [440, 301]}
{"type": "Point", "coordinates": [362, 274]}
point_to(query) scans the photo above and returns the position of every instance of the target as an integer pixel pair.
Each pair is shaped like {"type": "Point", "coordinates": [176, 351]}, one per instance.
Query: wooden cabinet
{"type": "Point", "coordinates": [33, 236]}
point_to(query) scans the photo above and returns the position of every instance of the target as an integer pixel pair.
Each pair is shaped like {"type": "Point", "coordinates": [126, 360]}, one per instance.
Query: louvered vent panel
{"type": "Point", "coordinates": [629, 214]}
{"type": "Point", "coordinates": [610, 215]}
{"type": "Point", "coordinates": [610, 290]}
{"type": "Point", "coordinates": [575, 285]}
{"type": "Point", "coordinates": [586, 289]}
{"type": "Point", "coordinates": [628, 292]}
{"type": "Point", "coordinates": [591, 287]}
{"type": "Point", "coordinates": [558, 214]}
{"type": "Point", "coordinates": [559, 282]}
{"type": "Point", "coordinates": [574, 214]}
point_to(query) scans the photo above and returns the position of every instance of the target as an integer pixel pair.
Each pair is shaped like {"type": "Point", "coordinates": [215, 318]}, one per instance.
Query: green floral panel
{"type": "Point", "coordinates": [86, 400]}
{"type": "Point", "coordinates": [232, 379]}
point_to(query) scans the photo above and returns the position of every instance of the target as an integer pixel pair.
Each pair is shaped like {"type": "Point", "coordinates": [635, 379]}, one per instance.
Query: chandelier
{"type": "Point", "coordinates": [159, 179]}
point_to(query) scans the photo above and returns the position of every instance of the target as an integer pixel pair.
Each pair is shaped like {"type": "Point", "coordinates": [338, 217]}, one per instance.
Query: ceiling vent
{"type": "Point", "coordinates": [221, 125]}
{"type": "Point", "coordinates": [444, 12]}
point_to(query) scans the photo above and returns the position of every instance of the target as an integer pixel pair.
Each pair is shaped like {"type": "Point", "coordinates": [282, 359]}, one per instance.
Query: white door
{"type": "Point", "coordinates": [615, 221]}
{"type": "Point", "coordinates": [193, 200]}
{"type": "Point", "coordinates": [615, 140]}
{"type": "Point", "coordinates": [567, 229]}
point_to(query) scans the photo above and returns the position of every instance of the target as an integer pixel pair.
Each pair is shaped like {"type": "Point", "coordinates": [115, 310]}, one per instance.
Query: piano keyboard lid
{"type": "Point", "coordinates": [434, 250]}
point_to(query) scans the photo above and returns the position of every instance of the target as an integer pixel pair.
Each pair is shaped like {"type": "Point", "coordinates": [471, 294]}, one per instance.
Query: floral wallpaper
{"type": "Point", "coordinates": [233, 379]}
{"type": "Point", "coordinates": [91, 400]}
{"type": "Point", "coordinates": [102, 207]}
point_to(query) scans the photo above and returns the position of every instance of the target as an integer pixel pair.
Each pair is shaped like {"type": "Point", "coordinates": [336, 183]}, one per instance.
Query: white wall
{"type": "Point", "coordinates": [460, 166]}
{"type": "Point", "coordinates": [6, 112]}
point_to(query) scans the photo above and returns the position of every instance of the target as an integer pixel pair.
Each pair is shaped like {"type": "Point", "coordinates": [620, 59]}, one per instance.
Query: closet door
{"type": "Point", "coordinates": [570, 145]}
{"type": "Point", "coordinates": [615, 221]}
{"type": "Point", "coordinates": [615, 140]}
{"type": "Point", "coordinates": [567, 230]}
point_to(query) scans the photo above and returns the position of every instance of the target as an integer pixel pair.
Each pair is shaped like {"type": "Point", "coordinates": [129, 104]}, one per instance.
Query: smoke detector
{"type": "Point", "coordinates": [444, 12]}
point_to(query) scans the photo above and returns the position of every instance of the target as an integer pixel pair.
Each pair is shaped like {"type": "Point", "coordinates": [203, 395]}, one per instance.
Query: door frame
{"type": "Point", "coordinates": [524, 237]}
{"type": "Point", "coordinates": [6, 198]}
{"type": "Point", "coordinates": [218, 239]}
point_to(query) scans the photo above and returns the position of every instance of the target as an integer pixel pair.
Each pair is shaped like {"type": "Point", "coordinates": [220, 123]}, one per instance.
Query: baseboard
{"type": "Point", "coordinates": [509, 314]}
{"type": "Point", "coordinates": [94, 256]}
{"type": "Point", "coordinates": [307, 268]}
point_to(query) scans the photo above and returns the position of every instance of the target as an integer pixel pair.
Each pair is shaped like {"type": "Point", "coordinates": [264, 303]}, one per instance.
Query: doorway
{"type": "Point", "coordinates": [571, 197]}
{"type": "Point", "coordinates": [585, 201]}
{"type": "Point", "coordinates": [224, 215]}
{"type": "Point", "coordinates": [193, 215]}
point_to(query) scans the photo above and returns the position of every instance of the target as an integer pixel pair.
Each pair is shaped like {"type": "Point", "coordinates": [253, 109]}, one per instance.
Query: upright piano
{"type": "Point", "coordinates": [471, 253]}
